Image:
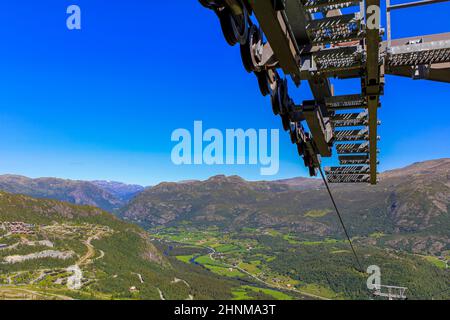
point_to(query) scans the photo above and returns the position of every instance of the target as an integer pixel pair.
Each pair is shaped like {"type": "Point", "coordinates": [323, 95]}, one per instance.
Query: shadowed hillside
{"type": "Point", "coordinates": [106, 195]}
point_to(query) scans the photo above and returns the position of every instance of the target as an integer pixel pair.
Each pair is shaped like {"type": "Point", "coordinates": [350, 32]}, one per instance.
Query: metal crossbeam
{"type": "Point", "coordinates": [350, 119]}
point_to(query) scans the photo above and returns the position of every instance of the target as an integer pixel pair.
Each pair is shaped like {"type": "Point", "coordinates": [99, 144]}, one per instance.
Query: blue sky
{"type": "Point", "coordinates": [101, 103]}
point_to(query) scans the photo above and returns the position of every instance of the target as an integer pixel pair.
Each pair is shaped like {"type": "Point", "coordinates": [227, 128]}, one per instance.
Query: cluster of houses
{"type": "Point", "coordinates": [18, 227]}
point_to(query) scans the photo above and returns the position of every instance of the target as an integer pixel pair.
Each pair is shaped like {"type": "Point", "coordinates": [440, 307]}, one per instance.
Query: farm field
{"type": "Point", "coordinates": [298, 267]}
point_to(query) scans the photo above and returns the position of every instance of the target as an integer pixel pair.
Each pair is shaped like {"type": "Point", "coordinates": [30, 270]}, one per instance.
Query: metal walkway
{"type": "Point", "coordinates": [315, 40]}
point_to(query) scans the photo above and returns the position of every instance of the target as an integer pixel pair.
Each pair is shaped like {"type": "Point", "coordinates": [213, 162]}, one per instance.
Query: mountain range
{"type": "Point", "coordinates": [216, 239]}
{"type": "Point", "coordinates": [410, 202]}
{"type": "Point", "coordinates": [122, 191]}
{"type": "Point", "coordinates": [107, 195]}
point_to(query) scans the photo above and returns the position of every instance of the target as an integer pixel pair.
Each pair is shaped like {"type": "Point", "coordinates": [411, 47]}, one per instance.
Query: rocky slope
{"type": "Point", "coordinates": [104, 195]}
{"type": "Point", "coordinates": [123, 192]}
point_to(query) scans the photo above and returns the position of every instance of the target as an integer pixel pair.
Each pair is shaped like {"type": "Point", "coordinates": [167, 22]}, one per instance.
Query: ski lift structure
{"type": "Point", "coordinates": [313, 41]}
{"type": "Point", "coordinates": [390, 292]}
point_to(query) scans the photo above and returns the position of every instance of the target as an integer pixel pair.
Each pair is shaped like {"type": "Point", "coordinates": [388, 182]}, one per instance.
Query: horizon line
{"type": "Point", "coordinates": [197, 180]}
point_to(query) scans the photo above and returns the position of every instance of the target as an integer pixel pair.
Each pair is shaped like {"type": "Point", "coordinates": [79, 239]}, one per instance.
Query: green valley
{"type": "Point", "coordinates": [317, 269]}
{"type": "Point", "coordinates": [226, 238]}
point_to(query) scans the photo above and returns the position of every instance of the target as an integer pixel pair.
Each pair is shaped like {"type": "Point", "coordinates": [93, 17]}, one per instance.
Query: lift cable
{"type": "Point", "coordinates": [340, 219]}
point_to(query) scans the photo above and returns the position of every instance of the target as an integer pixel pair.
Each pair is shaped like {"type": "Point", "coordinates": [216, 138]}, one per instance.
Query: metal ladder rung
{"type": "Point", "coordinates": [351, 101]}
{"type": "Point", "coordinates": [351, 135]}
{"type": "Point", "coordinates": [346, 148]}
{"type": "Point", "coordinates": [354, 160]}
{"type": "Point", "coordinates": [349, 116]}
{"type": "Point", "coordinates": [348, 170]}
{"type": "Point", "coordinates": [350, 119]}
{"type": "Point", "coordinates": [348, 178]}
{"type": "Point", "coordinates": [314, 6]}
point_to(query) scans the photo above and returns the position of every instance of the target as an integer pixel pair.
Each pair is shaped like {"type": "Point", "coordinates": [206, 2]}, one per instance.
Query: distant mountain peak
{"type": "Point", "coordinates": [109, 196]}
{"type": "Point", "coordinates": [224, 178]}
{"type": "Point", "coordinates": [120, 190]}
{"type": "Point", "coordinates": [438, 166]}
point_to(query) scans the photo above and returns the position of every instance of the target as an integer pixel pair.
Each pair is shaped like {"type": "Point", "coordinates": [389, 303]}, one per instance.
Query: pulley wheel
{"type": "Point", "coordinates": [263, 82]}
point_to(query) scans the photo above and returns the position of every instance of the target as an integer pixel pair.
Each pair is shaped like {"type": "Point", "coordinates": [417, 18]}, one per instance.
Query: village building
{"type": "Point", "coordinates": [18, 227]}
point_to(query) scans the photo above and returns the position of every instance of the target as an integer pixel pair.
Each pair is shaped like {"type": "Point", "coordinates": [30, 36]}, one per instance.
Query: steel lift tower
{"type": "Point", "coordinates": [315, 40]}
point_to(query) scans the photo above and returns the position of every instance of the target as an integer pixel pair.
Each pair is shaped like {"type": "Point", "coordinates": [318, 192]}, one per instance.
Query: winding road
{"type": "Point", "coordinates": [213, 251]}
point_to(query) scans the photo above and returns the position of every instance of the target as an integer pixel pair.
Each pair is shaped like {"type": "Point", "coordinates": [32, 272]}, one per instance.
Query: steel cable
{"type": "Point", "coordinates": [341, 220]}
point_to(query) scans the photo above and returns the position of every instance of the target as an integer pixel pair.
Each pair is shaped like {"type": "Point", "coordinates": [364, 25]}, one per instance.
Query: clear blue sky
{"type": "Point", "coordinates": [101, 103]}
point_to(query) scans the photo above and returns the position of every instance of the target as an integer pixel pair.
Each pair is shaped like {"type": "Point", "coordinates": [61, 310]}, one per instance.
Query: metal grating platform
{"type": "Point", "coordinates": [335, 29]}
{"type": "Point", "coordinates": [314, 6]}
{"type": "Point", "coordinates": [419, 54]}
{"type": "Point", "coordinates": [339, 59]}
{"type": "Point", "coordinates": [344, 102]}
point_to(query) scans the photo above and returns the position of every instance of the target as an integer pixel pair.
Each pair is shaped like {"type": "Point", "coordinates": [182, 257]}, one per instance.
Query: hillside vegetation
{"type": "Point", "coordinates": [64, 251]}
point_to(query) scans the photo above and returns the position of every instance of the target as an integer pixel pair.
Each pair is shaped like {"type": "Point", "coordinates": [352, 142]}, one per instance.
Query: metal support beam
{"type": "Point", "coordinates": [390, 8]}
{"type": "Point", "coordinates": [277, 30]}
{"type": "Point", "coordinates": [422, 57]}
{"type": "Point", "coordinates": [388, 22]}
{"type": "Point", "coordinates": [298, 18]}
{"type": "Point", "coordinates": [372, 83]}
{"type": "Point", "coordinates": [320, 129]}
